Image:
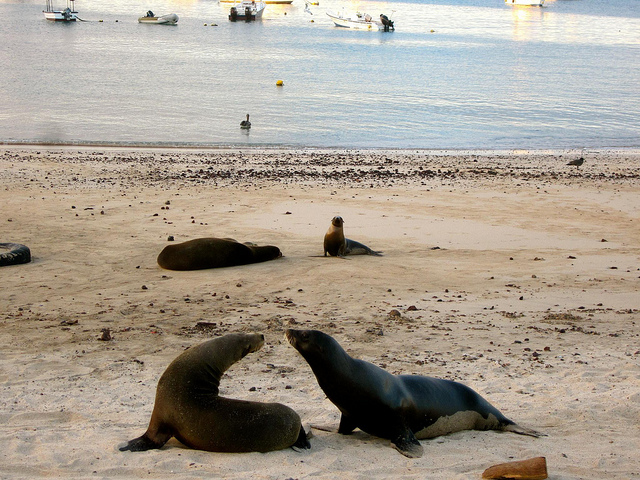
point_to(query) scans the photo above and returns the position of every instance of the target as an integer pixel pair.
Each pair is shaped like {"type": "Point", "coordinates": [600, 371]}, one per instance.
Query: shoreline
{"type": "Point", "coordinates": [297, 148]}
{"type": "Point", "coordinates": [512, 273]}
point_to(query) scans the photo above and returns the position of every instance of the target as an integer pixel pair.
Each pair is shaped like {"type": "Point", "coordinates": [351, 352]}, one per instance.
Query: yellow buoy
{"type": "Point", "coordinates": [280, 83]}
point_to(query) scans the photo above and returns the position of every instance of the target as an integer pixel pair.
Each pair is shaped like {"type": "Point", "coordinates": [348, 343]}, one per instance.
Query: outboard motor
{"type": "Point", "coordinates": [247, 14]}
{"type": "Point", "coordinates": [388, 24]}
{"type": "Point", "coordinates": [233, 15]}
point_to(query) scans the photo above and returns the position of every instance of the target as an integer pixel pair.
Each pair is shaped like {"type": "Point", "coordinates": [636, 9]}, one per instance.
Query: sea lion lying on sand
{"type": "Point", "coordinates": [214, 253]}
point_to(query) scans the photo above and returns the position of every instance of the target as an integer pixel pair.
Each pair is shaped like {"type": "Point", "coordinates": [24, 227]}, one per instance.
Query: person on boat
{"type": "Point", "coordinates": [150, 14]}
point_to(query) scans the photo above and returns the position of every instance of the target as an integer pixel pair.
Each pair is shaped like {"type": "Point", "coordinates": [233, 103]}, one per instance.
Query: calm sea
{"type": "Point", "coordinates": [454, 74]}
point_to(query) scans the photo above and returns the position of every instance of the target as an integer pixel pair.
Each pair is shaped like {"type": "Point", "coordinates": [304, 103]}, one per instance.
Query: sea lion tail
{"type": "Point", "coordinates": [515, 428]}
{"type": "Point", "coordinates": [302, 443]}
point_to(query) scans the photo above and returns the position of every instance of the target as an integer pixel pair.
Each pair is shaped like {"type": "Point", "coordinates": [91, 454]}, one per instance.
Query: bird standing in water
{"type": "Point", "coordinates": [245, 123]}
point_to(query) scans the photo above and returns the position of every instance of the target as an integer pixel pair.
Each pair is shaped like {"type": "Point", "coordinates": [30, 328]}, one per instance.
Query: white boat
{"type": "Point", "coordinates": [528, 3]}
{"type": "Point", "coordinates": [169, 19]}
{"type": "Point", "coordinates": [69, 14]}
{"type": "Point", "coordinates": [247, 10]}
{"type": "Point", "coordinates": [360, 21]}
{"type": "Point", "coordinates": [267, 2]}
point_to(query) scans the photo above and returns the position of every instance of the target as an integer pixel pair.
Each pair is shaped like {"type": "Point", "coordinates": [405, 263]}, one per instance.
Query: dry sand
{"type": "Point", "coordinates": [508, 271]}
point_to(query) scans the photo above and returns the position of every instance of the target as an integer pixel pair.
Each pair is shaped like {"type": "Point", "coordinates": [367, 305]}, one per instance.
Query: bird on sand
{"type": "Point", "coordinates": [577, 162]}
{"type": "Point", "coordinates": [245, 123]}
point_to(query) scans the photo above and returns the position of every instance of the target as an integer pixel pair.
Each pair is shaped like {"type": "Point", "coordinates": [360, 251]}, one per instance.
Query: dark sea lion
{"type": "Point", "coordinates": [401, 408]}
{"type": "Point", "coordinates": [214, 253]}
{"type": "Point", "coordinates": [336, 245]}
{"type": "Point", "coordinates": [188, 407]}
{"type": "Point", "coordinates": [14, 254]}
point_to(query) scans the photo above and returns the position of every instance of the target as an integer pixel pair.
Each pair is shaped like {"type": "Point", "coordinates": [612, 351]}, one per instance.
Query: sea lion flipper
{"type": "Point", "coordinates": [347, 425]}
{"type": "Point", "coordinates": [303, 441]}
{"type": "Point", "coordinates": [142, 444]}
{"type": "Point", "coordinates": [408, 445]}
{"type": "Point", "coordinates": [515, 428]}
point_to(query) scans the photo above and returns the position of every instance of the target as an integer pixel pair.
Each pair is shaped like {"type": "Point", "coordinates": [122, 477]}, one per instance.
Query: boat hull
{"type": "Point", "coordinates": [60, 16]}
{"type": "Point", "coordinates": [246, 11]}
{"type": "Point", "coordinates": [350, 22]}
{"type": "Point", "coordinates": [525, 3]}
{"type": "Point", "coordinates": [267, 2]}
{"type": "Point", "coordinates": [170, 19]}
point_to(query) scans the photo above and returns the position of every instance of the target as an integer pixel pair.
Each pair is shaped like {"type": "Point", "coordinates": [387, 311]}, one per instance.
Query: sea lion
{"type": "Point", "coordinates": [188, 407]}
{"type": "Point", "coordinates": [14, 254]}
{"type": "Point", "coordinates": [214, 253]}
{"type": "Point", "coordinates": [402, 408]}
{"type": "Point", "coordinates": [336, 245]}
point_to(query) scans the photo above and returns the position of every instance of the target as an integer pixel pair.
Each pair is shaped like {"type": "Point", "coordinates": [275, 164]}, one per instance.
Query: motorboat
{"type": "Point", "coordinates": [267, 2]}
{"type": "Point", "coordinates": [527, 3]}
{"type": "Point", "coordinates": [360, 21]}
{"type": "Point", "coordinates": [69, 14]}
{"type": "Point", "coordinates": [169, 19]}
{"type": "Point", "coordinates": [247, 10]}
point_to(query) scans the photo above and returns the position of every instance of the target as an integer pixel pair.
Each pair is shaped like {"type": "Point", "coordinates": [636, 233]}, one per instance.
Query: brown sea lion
{"type": "Point", "coordinates": [336, 245]}
{"type": "Point", "coordinates": [188, 407]}
{"type": "Point", "coordinates": [402, 408]}
{"type": "Point", "coordinates": [214, 253]}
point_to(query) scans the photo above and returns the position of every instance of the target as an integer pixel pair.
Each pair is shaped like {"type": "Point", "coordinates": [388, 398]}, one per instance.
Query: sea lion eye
{"type": "Point", "coordinates": [304, 336]}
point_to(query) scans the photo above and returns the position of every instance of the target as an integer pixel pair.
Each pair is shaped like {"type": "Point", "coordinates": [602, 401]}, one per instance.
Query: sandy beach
{"type": "Point", "coordinates": [508, 271]}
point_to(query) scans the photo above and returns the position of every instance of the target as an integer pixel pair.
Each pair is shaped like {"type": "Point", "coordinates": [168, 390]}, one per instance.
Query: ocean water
{"type": "Point", "coordinates": [454, 74]}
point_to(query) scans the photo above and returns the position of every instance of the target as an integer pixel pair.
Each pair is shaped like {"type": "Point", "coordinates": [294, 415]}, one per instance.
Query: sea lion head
{"type": "Point", "coordinates": [251, 342]}
{"type": "Point", "coordinates": [219, 354]}
{"type": "Point", "coordinates": [337, 221]}
{"type": "Point", "coordinates": [323, 353]}
{"type": "Point", "coordinates": [311, 343]}
{"type": "Point", "coordinates": [266, 252]}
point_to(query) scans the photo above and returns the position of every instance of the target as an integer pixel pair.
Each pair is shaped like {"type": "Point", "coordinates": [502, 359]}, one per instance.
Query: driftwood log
{"type": "Point", "coordinates": [531, 469]}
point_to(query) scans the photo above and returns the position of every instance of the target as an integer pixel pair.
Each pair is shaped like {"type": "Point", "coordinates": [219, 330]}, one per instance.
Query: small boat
{"type": "Point", "coordinates": [360, 21]}
{"type": "Point", "coordinates": [267, 2]}
{"type": "Point", "coordinates": [527, 3]}
{"type": "Point", "coordinates": [69, 14]}
{"type": "Point", "coordinates": [168, 19]}
{"type": "Point", "coordinates": [247, 10]}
